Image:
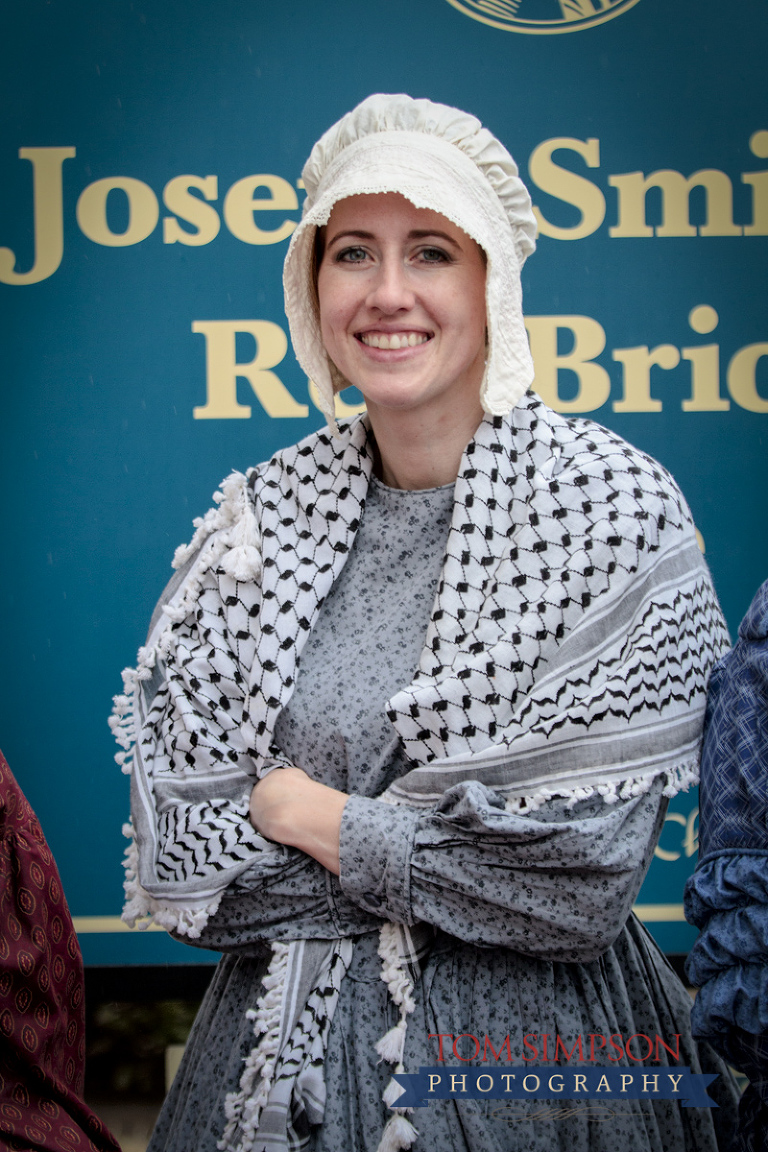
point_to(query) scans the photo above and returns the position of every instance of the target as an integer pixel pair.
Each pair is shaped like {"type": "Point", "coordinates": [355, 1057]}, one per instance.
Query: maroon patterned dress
{"type": "Point", "coordinates": [42, 1016]}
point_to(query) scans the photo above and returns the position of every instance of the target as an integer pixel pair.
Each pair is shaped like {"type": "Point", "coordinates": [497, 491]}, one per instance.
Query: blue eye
{"type": "Point", "coordinates": [433, 255]}
{"type": "Point", "coordinates": [351, 256]}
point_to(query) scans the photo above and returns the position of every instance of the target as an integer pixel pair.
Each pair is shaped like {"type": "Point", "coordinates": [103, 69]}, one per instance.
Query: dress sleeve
{"type": "Point", "coordinates": [194, 768]}
{"type": "Point", "coordinates": [727, 896]}
{"type": "Point", "coordinates": [557, 884]}
{"type": "Point", "coordinates": [294, 898]}
{"type": "Point", "coordinates": [275, 891]}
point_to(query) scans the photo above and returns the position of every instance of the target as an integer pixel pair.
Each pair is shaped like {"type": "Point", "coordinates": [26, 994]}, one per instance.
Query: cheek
{"type": "Point", "coordinates": [474, 321]}
{"type": "Point", "coordinates": [336, 303]}
{"type": "Point", "coordinates": [479, 310]}
{"type": "Point", "coordinates": [480, 317]}
{"type": "Point", "coordinates": [470, 309]}
{"type": "Point", "coordinates": [328, 305]}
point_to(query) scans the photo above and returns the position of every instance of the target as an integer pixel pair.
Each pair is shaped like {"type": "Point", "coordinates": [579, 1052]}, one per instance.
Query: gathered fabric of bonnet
{"type": "Point", "coordinates": [508, 676]}
{"type": "Point", "coordinates": [42, 1010]}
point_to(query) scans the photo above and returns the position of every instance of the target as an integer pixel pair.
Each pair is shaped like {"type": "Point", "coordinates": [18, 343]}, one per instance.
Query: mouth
{"type": "Point", "coordinates": [392, 341]}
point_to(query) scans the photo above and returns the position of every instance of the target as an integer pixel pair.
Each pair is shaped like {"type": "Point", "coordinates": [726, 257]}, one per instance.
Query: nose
{"type": "Point", "coordinates": [390, 289]}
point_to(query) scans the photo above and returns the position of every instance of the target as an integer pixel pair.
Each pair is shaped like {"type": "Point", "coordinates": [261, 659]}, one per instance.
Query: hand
{"type": "Point", "coordinates": [290, 808]}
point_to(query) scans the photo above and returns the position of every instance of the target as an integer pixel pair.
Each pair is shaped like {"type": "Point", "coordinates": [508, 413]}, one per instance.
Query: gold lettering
{"type": "Point", "coordinates": [675, 191]}
{"type": "Point", "coordinates": [48, 214]}
{"type": "Point", "coordinates": [178, 199]}
{"type": "Point", "coordinates": [637, 375]}
{"type": "Point", "coordinates": [223, 369]}
{"type": "Point", "coordinates": [663, 853]}
{"type": "Point", "coordinates": [705, 380]}
{"type": "Point", "coordinates": [705, 365]}
{"type": "Point", "coordinates": [240, 204]}
{"type": "Point", "coordinates": [758, 145]}
{"type": "Point", "coordinates": [588, 342]}
{"type": "Point", "coordinates": [742, 378]}
{"type": "Point", "coordinates": [691, 838]}
{"type": "Point", "coordinates": [568, 186]}
{"type": "Point", "coordinates": [143, 211]}
{"type": "Point", "coordinates": [759, 182]}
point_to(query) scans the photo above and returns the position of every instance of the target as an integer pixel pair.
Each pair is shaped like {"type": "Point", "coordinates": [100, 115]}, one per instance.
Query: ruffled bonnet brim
{"type": "Point", "coordinates": [439, 159]}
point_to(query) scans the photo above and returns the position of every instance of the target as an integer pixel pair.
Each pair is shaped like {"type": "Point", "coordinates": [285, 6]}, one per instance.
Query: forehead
{"type": "Point", "coordinates": [389, 213]}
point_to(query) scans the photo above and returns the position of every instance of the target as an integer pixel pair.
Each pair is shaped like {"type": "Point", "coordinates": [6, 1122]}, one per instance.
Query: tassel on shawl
{"type": "Point", "coordinates": [122, 722]}
{"type": "Point", "coordinates": [227, 535]}
{"type": "Point", "coordinates": [141, 909]}
{"type": "Point", "coordinates": [243, 1109]}
{"type": "Point", "coordinates": [391, 1046]}
{"type": "Point", "coordinates": [678, 778]}
{"type": "Point", "coordinates": [242, 560]}
{"type": "Point", "coordinates": [399, 1133]}
{"type": "Point", "coordinates": [233, 504]}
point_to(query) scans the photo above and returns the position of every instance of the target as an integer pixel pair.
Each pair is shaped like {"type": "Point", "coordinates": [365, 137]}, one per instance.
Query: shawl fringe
{"type": "Point", "coordinates": [399, 1132]}
{"type": "Point", "coordinates": [243, 1109]}
{"type": "Point", "coordinates": [227, 535]}
{"type": "Point", "coordinates": [679, 778]}
{"type": "Point", "coordinates": [141, 909]}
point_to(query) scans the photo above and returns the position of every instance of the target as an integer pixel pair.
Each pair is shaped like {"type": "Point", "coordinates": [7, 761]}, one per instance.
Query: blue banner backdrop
{"type": "Point", "coordinates": [150, 158]}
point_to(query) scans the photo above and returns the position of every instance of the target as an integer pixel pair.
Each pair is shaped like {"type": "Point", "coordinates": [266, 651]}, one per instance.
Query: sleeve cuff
{"type": "Point", "coordinates": [724, 882]}
{"type": "Point", "coordinates": [736, 997]}
{"type": "Point", "coordinates": [375, 857]}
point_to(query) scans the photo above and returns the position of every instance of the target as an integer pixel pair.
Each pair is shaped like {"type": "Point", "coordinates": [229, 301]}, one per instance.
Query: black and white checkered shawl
{"type": "Point", "coordinates": [567, 654]}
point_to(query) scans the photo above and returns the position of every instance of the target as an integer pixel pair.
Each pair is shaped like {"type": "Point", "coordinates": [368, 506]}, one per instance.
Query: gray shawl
{"type": "Point", "coordinates": [567, 654]}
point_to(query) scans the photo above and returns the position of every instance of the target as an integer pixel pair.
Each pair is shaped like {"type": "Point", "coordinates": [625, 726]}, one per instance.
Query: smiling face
{"type": "Point", "coordinates": [402, 307]}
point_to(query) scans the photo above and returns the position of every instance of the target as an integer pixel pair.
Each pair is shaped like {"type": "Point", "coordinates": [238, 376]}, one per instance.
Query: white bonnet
{"type": "Point", "coordinates": [441, 159]}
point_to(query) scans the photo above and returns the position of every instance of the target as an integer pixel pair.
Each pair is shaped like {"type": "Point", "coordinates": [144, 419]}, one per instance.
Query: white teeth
{"type": "Point", "coordinates": [394, 341]}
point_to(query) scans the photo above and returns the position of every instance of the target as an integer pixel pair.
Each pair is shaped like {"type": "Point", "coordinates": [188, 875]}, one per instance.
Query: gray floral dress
{"type": "Point", "coordinates": [534, 932]}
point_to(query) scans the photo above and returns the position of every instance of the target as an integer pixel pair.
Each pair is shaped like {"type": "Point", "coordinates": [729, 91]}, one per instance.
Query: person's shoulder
{"type": "Point", "coordinates": [610, 471]}
{"type": "Point", "coordinates": [740, 678]}
{"type": "Point", "coordinates": [754, 626]}
{"type": "Point", "coordinates": [313, 453]}
{"type": "Point", "coordinates": [591, 447]}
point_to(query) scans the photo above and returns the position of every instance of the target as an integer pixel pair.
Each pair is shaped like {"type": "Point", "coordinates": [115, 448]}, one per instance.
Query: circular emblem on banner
{"type": "Point", "coordinates": [542, 17]}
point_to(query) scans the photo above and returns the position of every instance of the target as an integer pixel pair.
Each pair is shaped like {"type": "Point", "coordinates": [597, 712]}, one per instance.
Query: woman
{"type": "Point", "coordinates": [393, 858]}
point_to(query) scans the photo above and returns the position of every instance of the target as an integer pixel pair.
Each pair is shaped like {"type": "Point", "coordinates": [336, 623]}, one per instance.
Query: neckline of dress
{"type": "Point", "coordinates": [401, 493]}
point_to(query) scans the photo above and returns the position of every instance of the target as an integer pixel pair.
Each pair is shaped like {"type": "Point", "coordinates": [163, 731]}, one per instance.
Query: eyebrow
{"type": "Point", "coordinates": [415, 234]}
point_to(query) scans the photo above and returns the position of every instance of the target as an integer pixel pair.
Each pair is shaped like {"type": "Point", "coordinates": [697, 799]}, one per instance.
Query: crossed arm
{"type": "Point", "coordinates": [292, 809]}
